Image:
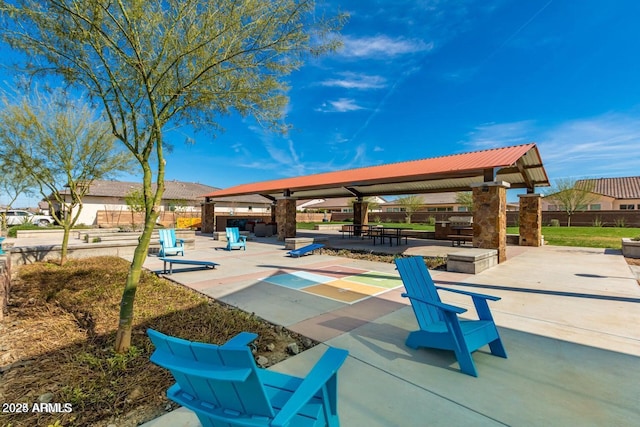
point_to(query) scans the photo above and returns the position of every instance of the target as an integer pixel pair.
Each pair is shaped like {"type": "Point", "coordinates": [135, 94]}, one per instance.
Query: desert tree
{"type": "Point", "coordinates": [411, 204]}
{"type": "Point", "coordinates": [465, 199]}
{"type": "Point", "coordinates": [13, 184]}
{"type": "Point", "coordinates": [571, 196]}
{"type": "Point", "coordinates": [62, 146]}
{"type": "Point", "coordinates": [135, 203]}
{"type": "Point", "coordinates": [154, 64]}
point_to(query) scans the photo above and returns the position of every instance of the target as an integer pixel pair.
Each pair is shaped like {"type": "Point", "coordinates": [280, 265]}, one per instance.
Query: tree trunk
{"type": "Point", "coordinates": [65, 244]}
{"type": "Point", "coordinates": [123, 337]}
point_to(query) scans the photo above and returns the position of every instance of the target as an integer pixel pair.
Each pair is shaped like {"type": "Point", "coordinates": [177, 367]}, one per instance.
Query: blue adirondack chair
{"type": "Point", "coordinates": [169, 245]}
{"type": "Point", "coordinates": [235, 240]}
{"type": "Point", "coordinates": [224, 387]}
{"type": "Point", "coordinates": [439, 324]}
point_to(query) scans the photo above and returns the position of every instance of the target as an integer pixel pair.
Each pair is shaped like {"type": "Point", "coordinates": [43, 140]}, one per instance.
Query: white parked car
{"type": "Point", "coordinates": [17, 217]}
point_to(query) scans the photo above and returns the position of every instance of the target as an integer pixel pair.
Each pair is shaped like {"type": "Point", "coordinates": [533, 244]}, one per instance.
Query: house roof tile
{"type": "Point", "coordinates": [174, 190]}
{"type": "Point", "coordinates": [619, 188]}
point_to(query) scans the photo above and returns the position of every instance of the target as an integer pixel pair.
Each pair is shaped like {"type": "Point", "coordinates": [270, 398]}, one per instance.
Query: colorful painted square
{"type": "Point", "coordinates": [340, 271]}
{"type": "Point", "coordinates": [338, 294]}
{"type": "Point", "coordinates": [375, 278]}
{"type": "Point", "coordinates": [290, 281]}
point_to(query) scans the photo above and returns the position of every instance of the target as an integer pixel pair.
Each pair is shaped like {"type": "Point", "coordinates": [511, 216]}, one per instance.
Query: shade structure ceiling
{"type": "Point", "coordinates": [520, 166]}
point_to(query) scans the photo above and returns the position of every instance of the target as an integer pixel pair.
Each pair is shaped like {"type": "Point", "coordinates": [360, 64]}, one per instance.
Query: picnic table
{"type": "Point", "coordinates": [390, 233]}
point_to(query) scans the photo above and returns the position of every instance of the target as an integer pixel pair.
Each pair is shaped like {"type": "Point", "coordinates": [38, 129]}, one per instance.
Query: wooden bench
{"type": "Point", "coordinates": [459, 238]}
{"type": "Point", "coordinates": [171, 261]}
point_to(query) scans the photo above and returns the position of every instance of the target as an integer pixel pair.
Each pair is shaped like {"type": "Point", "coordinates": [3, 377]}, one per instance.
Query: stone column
{"type": "Point", "coordinates": [207, 216]}
{"type": "Point", "coordinates": [530, 219]}
{"type": "Point", "coordinates": [286, 218]}
{"type": "Point", "coordinates": [360, 215]}
{"type": "Point", "coordinates": [274, 207]}
{"type": "Point", "coordinates": [490, 217]}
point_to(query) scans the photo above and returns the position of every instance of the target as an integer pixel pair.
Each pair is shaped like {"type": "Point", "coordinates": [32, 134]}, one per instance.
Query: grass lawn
{"type": "Point", "coordinates": [588, 237]}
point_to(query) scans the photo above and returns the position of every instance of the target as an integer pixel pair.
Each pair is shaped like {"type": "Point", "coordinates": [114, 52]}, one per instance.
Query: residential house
{"type": "Point", "coordinates": [431, 202]}
{"type": "Point", "coordinates": [107, 199]}
{"type": "Point", "coordinates": [338, 204]}
{"type": "Point", "coordinates": [607, 194]}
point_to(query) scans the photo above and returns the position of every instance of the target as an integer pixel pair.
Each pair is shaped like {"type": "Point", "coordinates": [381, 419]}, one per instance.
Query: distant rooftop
{"type": "Point", "coordinates": [174, 190]}
{"type": "Point", "coordinates": [619, 188]}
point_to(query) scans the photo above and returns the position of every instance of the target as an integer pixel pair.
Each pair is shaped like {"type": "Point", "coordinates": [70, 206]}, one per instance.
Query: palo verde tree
{"type": "Point", "coordinates": [411, 204]}
{"type": "Point", "coordinates": [13, 183]}
{"type": "Point", "coordinates": [571, 196]}
{"type": "Point", "coordinates": [155, 63]}
{"type": "Point", "coordinates": [61, 146]}
{"type": "Point", "coordinates": [465, 198]}
{"type": "Point", "coordinates": [135, 203]}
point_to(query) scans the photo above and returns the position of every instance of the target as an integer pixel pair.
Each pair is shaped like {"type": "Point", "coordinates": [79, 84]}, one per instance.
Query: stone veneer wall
{"type": "Point", "coordinates": [5, 283]}
{"type": "Point", "coordinates": [530, 219]}
{"type": "Point", "coordinates": [286, 218]}
{"type": "Point", "coordinates": [208, 217]}
{"type": "Point", "coordinates": [490, 217]}
{"type": "Point", "coordinates": [360, 215]}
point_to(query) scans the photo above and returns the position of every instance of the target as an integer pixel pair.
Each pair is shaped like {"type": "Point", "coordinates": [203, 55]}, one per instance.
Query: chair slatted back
{"type": "Point", "coordinates": [233, 234]}
{"type": "Point", "coordinates": [418, 282]}
{"type": "Point", "coordinates": [223, 376]}
{"type": "Point", "coordinates": [167, 237]}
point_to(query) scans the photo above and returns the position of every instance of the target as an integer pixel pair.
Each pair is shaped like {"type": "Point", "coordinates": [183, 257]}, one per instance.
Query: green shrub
{"type": "Point", "coordinates": [554, 223]}
{"type": "Point", "coordinates": [597, 222]}
{"type": "Point", "coordinates": [13, 230]}
{"type": "Point", "coordinates": [621, 222]}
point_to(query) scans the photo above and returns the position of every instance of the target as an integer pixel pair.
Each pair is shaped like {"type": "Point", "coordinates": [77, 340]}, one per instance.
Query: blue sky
{"type": "Point", "coordinates": [418, 79]}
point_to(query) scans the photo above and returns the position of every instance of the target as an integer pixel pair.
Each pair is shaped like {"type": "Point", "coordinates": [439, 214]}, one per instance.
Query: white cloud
{"type": "Point", "coordinates": [356, 81]}
{"type": "Point", "coordinates": [341, 105]}
{"type": "Point", "coordinates": [602, 146]}
{"type": "Point", "coordinates": [381, 46]}
{"type": "Point", "coordinates": [492, 135]}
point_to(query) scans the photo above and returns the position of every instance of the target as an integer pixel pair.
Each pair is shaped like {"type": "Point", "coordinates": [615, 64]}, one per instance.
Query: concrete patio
{"type": "Point", "coordinates": [568, 317]}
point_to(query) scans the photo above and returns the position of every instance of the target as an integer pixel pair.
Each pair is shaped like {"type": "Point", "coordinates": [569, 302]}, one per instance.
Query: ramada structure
{"type": "Point", "coordinates": [488, 174]}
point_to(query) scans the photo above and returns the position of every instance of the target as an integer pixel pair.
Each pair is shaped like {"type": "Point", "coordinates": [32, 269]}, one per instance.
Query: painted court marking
{"type": "Point", "coordinates": [344, 284]}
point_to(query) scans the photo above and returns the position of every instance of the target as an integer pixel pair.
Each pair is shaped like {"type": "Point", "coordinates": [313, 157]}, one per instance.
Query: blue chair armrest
{"type": "Point", "coordinates": [440, 305]}
{"type": "Point", "coordinates": [181, 241]}
{"type": "Point", "coordinates": [322, 372]}
{"type": "Point", "coordinates": [471, 294]}
{"type": "Point", "coordinates": [243, 339]}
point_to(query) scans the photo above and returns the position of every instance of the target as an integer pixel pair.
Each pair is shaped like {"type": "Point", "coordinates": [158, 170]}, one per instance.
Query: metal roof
{"type": "Point", "coordinates": [520, 166]}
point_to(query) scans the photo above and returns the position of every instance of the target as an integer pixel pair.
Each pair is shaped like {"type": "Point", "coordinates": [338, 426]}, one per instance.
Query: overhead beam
{"type": "Point", "coordinates": [489, 175]}
{"type": "Point", "coordinates": [267, 196]}
{"type": "Point", "coordinates": [530, 185]}
{"type": "Point", "coordinates": [354, 192]}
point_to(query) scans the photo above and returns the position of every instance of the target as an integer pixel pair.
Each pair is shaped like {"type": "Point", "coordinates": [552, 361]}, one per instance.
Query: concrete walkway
{"type": "Point", "coordinates": [569, 319]}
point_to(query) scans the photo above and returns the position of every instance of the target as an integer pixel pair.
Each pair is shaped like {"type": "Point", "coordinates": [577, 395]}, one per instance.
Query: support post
{"type": "Point", "coordinates": [207, 216]}
{"type": "Point", "coordinates": [286, 217]}
{"type": "Point", "coordinates": [360, 216]}
{"type": "Point", "coordinates": [530, 220]}
{"type": "Point", "coordinates": [490, 217]}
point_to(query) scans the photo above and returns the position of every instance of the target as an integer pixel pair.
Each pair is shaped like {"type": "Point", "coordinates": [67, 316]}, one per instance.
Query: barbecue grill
{"type": "Point", "coordinates": [461, 222]}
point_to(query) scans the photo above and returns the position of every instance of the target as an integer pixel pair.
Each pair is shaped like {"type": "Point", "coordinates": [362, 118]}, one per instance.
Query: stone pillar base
{"type": "Point", "coordinates": [530, 219]}
{"type": "Point", "coordinates": [490, 217]}
{"type": "Point", "coordinates": [286, 218]}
